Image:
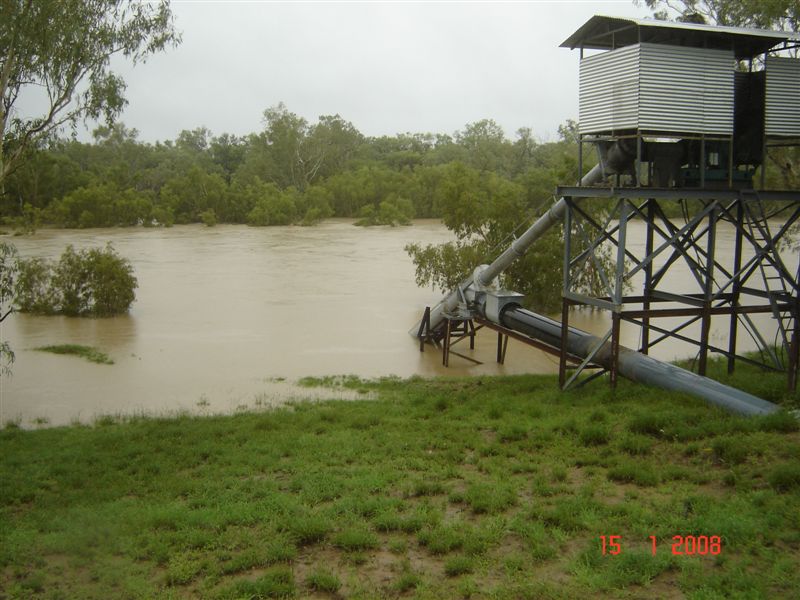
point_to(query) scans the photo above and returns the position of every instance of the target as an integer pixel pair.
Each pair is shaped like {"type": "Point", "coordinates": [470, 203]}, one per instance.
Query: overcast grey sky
{"type": "Point", "coordinates": [386, 67]}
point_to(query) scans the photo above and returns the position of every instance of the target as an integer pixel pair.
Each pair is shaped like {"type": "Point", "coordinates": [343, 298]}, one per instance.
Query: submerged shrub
{"type": "Point", "coordinates": [393, 211]}
{"type": "Point", "coordinates": [90, 282]}
{"type": "Point", "coordinates": [208, 217]}
{"type": "Point", "coordinates": [33, 289]}
{"type": "Point", "coordinates": [273, 206]}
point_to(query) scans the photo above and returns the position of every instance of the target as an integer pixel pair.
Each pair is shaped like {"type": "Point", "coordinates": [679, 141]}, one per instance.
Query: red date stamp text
{"type": "Point", "coordinates": [682, 545]}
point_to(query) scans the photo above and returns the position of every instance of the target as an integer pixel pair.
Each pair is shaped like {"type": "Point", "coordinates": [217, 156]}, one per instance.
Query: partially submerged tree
{"type": "Point", "coordinates": [58, 52]}
{"type": "Point", "coordinates": [485, 212]}
{"type": "Point", "coordinates": [90, 282]}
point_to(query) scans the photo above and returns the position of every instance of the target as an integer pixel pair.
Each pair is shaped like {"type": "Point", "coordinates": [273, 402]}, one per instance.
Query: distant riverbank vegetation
{"type": "Point", "coordinates": [484, 186]}
{"type": "Point", "coordinates": [292, 172]}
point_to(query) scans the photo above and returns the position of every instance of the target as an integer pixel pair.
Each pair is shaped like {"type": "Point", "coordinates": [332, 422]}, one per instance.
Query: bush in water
{"type": "Point", "coordinates": [90, 282]}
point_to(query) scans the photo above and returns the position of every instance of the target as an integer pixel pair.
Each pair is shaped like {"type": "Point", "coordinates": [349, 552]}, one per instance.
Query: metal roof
{"type": "Point", "coordinates": [606, 33]}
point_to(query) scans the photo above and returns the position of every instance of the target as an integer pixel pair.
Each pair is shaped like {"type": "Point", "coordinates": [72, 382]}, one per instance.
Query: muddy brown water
{"type": "Point", "coordinates": [228, 318]}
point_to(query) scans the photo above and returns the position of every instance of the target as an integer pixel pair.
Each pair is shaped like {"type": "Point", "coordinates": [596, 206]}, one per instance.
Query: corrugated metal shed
{"type": "Point", "coordinates": [686, 90]}
{"type": "Point", "coordinates": [670, 89]}
{"type": "Point", "coordinates": [609, 91]}
{"type": "Point", "coordinates": [782, 116]}
{"type": "Point", "coordinates": [609, 33]}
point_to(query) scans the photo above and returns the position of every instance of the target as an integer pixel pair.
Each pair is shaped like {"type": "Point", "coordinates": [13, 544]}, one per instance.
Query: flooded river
{"type": "Point", "coordinates": [227, 318]}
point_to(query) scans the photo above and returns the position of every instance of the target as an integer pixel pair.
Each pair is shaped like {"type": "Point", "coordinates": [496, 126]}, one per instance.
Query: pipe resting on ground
{"type": "Point", "coordinates": [635, 365]}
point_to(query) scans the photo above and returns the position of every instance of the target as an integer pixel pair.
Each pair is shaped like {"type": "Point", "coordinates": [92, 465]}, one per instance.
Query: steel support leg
{"type": "Point", "coordinates": [794, 352]}
{"type": "Point", "coordinates": [615, 327]}
{"type": "Point", "coordinates": [562, 358]}
{"type": "Point", "coordinates": [648, 275]}
{"type": "Point", "coordinates": [735, 288]}
{"type": "Point", "coordinates": [446, 348]}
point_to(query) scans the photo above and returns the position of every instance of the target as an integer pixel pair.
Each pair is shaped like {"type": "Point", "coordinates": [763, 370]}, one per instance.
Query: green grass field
{"type": "Point", "coordinates": [448, 488]}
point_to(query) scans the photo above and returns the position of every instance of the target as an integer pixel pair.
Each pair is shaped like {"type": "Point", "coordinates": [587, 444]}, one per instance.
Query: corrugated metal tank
{"type": "Point", "coordinates": [782, 116]}
{"type": "Point", "coordinates": [657, 87]}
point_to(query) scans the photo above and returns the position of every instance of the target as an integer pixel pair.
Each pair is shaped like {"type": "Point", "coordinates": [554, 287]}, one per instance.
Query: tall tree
{"type": "Point", "coordinates": [485, 144]}
{"type": "Point", "coordinates": [59, 51]}
{"type": "Point", "coordinates": [228, 152]}
{"type": "Point", "coordinates": [284, 133]}
{"type": "Point", "coordinates": [330, 144]}
{"type": "Point", "coordinates": [297, 154]}
{"type": "Point", "coordinates": [485, 211]}
{"type": "Point", "coordinates": [783, 15]}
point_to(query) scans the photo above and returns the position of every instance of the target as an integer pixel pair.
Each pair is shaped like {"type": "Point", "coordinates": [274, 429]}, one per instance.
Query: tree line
{"type": "Point", "coordinates": [291, 172]}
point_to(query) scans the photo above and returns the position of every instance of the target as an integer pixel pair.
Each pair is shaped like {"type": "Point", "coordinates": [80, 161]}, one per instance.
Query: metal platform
{"type": "Point", "coordinates": [760, 277]}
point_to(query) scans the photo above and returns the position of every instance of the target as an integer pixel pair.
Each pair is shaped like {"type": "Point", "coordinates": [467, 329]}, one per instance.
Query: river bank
{"type": "Point", "coordinates": [225, 316]}
{"type": "Point", "coordinates": [483, 487]}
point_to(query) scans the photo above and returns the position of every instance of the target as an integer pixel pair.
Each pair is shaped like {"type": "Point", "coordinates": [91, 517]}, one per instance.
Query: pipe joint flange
{"type": "Point", "coordinates": [479, 284]}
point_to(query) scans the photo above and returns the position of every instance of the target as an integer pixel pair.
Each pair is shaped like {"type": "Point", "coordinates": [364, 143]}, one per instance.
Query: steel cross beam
{"type": "Point", "coordinates": [723, 289]}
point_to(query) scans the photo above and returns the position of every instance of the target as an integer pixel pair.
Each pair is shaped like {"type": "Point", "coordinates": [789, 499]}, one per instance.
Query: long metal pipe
{"type": "Point", "coordinates": [634, 365]}
{"type": "Point", "coordinates": [630, 364]}
{"type": "Point", "coordinates": [517, 248]}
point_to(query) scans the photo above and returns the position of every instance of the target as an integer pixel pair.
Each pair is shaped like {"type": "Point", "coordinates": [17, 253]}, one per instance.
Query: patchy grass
{"type": "Point", "coordinates": [785, 478]}
{"type": "Point", "coordinates": [277, 583]}
{"type": "Point", "coordinates": [633, 472]}
{"type": "Point", "coordinates": [406, 582]}
{"type": "Point", "coordinates": [354, 539]}
{"type": "Point", "coordinates": [445, 488]}
{"type": "Point", "coordinates": [594, 435]}
{"type": "Point", "coordinates": [636, 445]}
{"type": "Point", "coordinates": [323, 580]}
{"type": "Point", "coordinates": [458, 565]}
{"type": "Point", "coordinates": [88, 352]}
